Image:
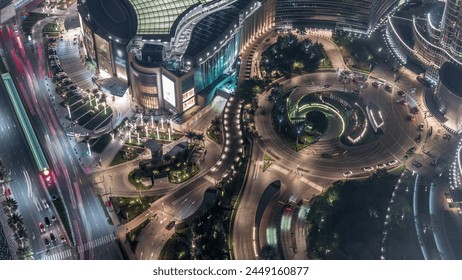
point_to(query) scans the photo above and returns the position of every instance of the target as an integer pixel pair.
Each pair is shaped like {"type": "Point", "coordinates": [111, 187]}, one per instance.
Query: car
{"type": "Point", "coordinates": [421, 126]}
{"type": "Point", "coordinates": [381, 166]}
{"type": "Point", "coordinates": [348, 173]}
{"type": "Point", "coordinates": [410, 118]}
{"type": "Point", "coordinates": [375, 84]}
{"type": "Point", "coordinates": [63, 239]}
{"type": "Point", "coordinates": [414, 110]}
{"type": "Point", "coordinates": [425, 82]}
{"type": "Point", "coordinates": [401, 93]}
{"type": "Point", "coordinates": [288, 209]}
{"type": "Point", "coordinates": [8, 192]}
{"type": "Point", "coordinates": [418, 138]}
{"type": "Point", "coordinates": [417, 164]}
{"type": "Point", "coordinates": [434, 162]}
{"type": "Point", "coordinates": [170, 225]}
{"type": "Point", "coordinates": [404, 102]}
{"type": "Point", "coordinates": [42, 228]}
{"type": "Point", "coordinates": [387, 87]}
{"type": "Point", "coordinates": [45, 203]}
{"type": "Point", "coordinates": [52, 237]}
{"type": "Point", "coordinates": [368, 169]}
{"type": "Point", "coordinates": [47, 242]}
{"type": "Point", "coordinates": [47, 221]}
{"type": "Point", "coordinates": [72, 87]}
{"type": "Point", "coordinates": [393, 162]}
{"type": "Point", "coordinates": [53, 218]}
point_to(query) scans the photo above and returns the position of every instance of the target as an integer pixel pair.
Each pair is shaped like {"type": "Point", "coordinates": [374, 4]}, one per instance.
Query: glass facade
{"type": "Point", "coordinates": [104, 54]}
{"type": "Point", "coordinates": [354, 15]}
{"type": "Point", "coordinates": [451, 35]}
{"type": "Point", "coordinates": [157, 17]}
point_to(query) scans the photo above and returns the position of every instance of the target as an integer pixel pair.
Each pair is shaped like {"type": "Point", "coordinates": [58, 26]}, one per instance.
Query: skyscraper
{"type": "Point", "coordinates": [451, 28]}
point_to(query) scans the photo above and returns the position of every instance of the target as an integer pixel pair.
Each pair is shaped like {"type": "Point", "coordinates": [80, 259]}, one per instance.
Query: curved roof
{"type": "Point", "coordinates": [158, 16]}
{"type": "Point", "coordinates": [115, 17]}
{"type": "Point", "coordinates": [450, 75]}
{"type": "Point", "coordinates": [206, 30]}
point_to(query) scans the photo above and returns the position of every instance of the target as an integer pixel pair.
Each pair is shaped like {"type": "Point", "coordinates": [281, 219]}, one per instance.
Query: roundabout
{"type": "Point", "coordinates": [347, 120]}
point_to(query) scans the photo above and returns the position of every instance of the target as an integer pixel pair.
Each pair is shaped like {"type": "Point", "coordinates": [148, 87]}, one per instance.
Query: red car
{"type": "Point", "coordinates": [288, 209]}
{"type": "Point", "coordinates": [42, 228]}
{"type": "Point", "coordinates": [8, 192]}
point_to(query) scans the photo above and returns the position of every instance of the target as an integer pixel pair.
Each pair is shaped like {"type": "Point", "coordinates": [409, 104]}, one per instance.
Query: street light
{"type": "Point", "coordinates": [280, 122]}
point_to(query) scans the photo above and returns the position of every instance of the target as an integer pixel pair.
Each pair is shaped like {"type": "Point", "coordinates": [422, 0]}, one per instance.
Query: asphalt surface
{"type": "Point", "coordinates": [92, 233]}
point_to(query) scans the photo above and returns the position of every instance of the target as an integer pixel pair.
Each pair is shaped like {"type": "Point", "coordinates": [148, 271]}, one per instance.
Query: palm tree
{"type": "Point", "coordinates": [216, 121]}
{"type": "Point", "coordinates": [345, 78]}
{"type": "Point", "coordinates": [167, 158]}
{"type": "Point", "coordinates": [190, 135]}
{"type": "Point", "coordinates": [25, 253]}
{"type": "Point", "coordinates": [268, 252]}
{"type": "Point", "coordinates": [15, 221]}
{"type": "Point", "coordinates": [199, 137]}
{"type": "Point", "coordinates": [21, 236]}
{"type": "Point", "coordinates": [10, 205]}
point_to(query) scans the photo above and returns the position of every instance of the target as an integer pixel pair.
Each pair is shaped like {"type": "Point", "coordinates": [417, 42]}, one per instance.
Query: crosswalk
{"type": "Point", "coordinates": [95, 243]}
{"type": "Point", "coordinates": [59, 255]}
{"type": "Point", "coordinates": [67, 254]}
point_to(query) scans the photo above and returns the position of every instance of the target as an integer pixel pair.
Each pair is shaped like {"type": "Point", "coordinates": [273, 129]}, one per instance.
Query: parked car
{"type": "Point", "coordinates": [348, 173]}
{"type": "Point", "coordinates": [381, 166]}
{"type": "Point", "coordinates": [368, 169]}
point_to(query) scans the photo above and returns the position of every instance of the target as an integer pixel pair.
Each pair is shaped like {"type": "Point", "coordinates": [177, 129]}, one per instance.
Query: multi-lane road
{"type": "Point", "coordinates": [93, 235]}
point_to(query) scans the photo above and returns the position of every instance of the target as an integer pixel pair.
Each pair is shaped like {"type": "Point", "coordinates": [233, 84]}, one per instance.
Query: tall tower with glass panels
{"type": "Point", "coordinates": [451, 28]}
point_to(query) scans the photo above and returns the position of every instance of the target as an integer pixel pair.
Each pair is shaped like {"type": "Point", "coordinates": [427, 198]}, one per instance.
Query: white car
{"type": "Point", "coordinates": [45, 203]}
{"type": "Point", "coordinates": [381, 166]}
{"type": "Point", "coordinates": [393, 162]}
{"type": "Point", "coordinates": [348, 173]}
{"type": "Point", "coordinates": [368, 169]}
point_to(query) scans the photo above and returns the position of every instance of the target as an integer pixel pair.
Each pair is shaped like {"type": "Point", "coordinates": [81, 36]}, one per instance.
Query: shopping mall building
{"type": "Point", "coordinates": [171, 53]}
{"type": "Point", "coordinates": [174, 54]}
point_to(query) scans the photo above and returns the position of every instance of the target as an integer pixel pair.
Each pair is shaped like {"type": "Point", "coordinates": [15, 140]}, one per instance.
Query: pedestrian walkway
{"type": "Point", "coordinates": [72, 61]}
{"type": "Point", "coordinates": [62, 255]}
{"type": "Point", "coordinates": [95, 243]}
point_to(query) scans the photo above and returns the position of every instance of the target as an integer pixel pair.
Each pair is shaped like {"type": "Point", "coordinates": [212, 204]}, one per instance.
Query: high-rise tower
{"type": "Point", "coordinates": [451, 28]}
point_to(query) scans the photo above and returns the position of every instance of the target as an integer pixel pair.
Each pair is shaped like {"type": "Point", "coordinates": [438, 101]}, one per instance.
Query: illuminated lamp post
{"type": "Point", "coordinates": [69, 111]}
{"type": "Point", "coordinates": [89, 150]}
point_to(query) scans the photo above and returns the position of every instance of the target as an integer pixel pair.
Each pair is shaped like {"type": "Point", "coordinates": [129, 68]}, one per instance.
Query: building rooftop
{"type": "Point", "coordinates": [152, 145]}
{"type": "Point", "coordinates": [450, 75]}
{"type": "Point", "coordinates": [115, 17]}
{"type": "Point", "coordinates": [158, 16]}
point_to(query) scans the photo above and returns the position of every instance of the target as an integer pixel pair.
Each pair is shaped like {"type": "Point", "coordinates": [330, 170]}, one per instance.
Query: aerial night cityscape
{"type": "Point", "coordinates": [231, 130]}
